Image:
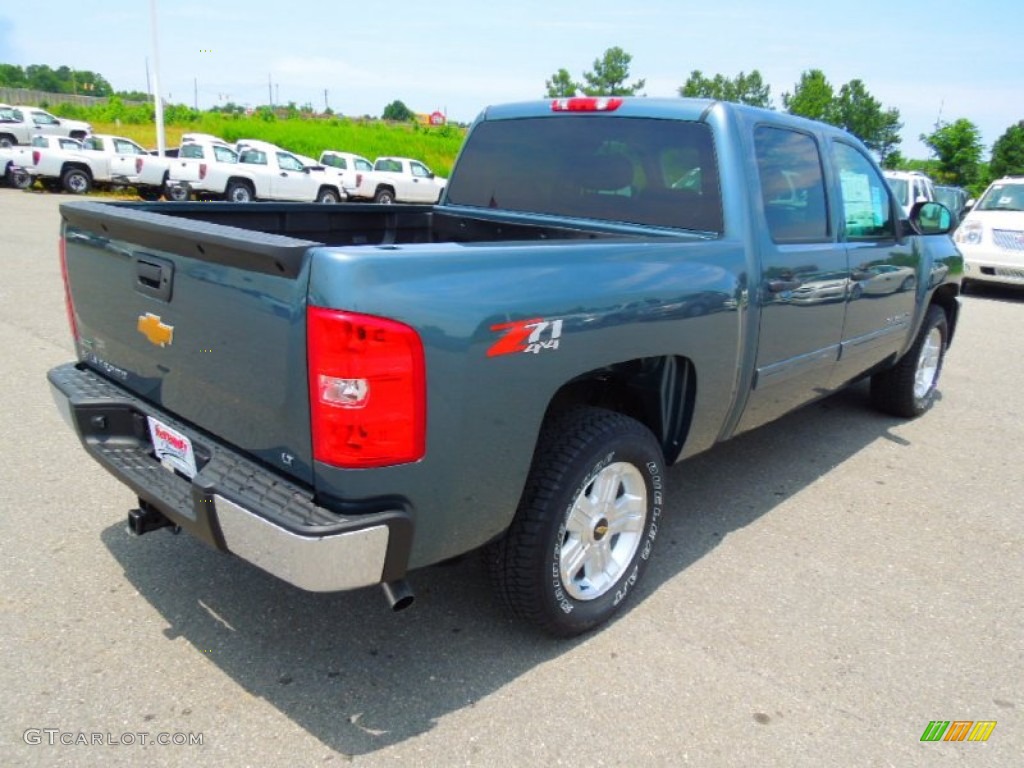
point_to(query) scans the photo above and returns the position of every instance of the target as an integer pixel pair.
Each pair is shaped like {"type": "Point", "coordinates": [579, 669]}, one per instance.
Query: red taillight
{"type": "Point", "coordinates": [69, 305]}
{"type": "Point", "coordinates": [138, 165]}
{"type": "Point", "coordinates": [359, 179]}
{"type": "Point", "coordinates": [36, 154]}
{"type": "Point", "coordinates": [587, 104]}
{"type": "Point", "coordinates": [367, 389]}
{"type": "Point", "coordinates": [202, 171]}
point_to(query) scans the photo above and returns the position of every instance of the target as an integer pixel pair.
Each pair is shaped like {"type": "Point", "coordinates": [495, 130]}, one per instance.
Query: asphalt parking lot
{"type": "Point", "coordinates": [824, 588]}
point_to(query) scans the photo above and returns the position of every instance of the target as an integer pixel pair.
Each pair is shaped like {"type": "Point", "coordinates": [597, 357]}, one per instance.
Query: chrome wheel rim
{"type": "Point", "coordinates": [928, 364]}
{"type": "Point", "coordinates": [603, 531]}
{"type": "Point", "coordinates": [77, 183]}
{"type": "Point", "coordinates": [240, 195]}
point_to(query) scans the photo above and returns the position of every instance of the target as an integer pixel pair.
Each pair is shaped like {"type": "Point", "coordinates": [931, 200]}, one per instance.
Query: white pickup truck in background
{"type": "Point", "coordinates": [14, 161]}
{"type": "Point", "coordinates": [19, 124]}
{"type": "Point", "coordinates": [399, 180]}
{"type": "Point", "coordinates": [348, 166]}
{"type": "Point", "coordinates": [268, 172]}
{"type": "Point", "coordinates": [204, 167]}
{"type": "Point", "coordinates": [102, 160]}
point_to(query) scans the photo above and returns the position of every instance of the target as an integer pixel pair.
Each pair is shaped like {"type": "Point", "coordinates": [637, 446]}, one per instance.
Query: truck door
{"type": "Point", "coordinates": [292, 180]}
{"type": "Point", "coordinates": [99, 152]}
{"type": "Point", "coordinates": [804, 276]}
{"type": "Point", "coordinates": [886, 272]}
{"type": "Point", "coordinates": [422, 188]}
{"type": "Point", "coordinates": [125, 153]}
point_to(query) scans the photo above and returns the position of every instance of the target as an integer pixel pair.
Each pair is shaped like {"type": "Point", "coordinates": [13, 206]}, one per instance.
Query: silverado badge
{"type": "Point", "coordinates": [156, 331]}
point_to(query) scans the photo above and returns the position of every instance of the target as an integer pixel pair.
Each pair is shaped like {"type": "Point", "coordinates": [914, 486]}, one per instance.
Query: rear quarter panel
{"type": "Point", "coordinates": [616, 301]}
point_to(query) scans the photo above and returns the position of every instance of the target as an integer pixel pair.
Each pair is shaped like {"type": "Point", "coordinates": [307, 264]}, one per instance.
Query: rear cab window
{"type": "Point", "coordinates": [630, 170]}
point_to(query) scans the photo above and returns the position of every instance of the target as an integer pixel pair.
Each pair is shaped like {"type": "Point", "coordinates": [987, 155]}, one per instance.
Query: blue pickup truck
{"type": "Point", "coordinates": [341, 394]}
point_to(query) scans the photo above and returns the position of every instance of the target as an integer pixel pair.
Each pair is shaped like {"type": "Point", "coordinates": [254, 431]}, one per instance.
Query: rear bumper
{"type": "Point", "coordinates": [233, 503]}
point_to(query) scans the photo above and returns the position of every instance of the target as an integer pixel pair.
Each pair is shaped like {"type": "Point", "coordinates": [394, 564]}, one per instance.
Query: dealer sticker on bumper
{"type": "Point", "coordinates": [172, 448]}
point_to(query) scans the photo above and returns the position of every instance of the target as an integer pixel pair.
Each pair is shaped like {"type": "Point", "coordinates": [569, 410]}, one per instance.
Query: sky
{"type": "Point", "coordinates": [933, 60]}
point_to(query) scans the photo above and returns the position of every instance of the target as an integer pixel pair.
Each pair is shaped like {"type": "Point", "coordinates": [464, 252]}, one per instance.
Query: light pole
{"type": "Point", "coordinates": [161, 141]}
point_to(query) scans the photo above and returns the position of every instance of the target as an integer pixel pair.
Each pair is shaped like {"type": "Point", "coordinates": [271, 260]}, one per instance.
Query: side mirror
{"type": "Point", "coordinates": [931, 219]}
{"type": "Point", "coordinates": [430, 175]}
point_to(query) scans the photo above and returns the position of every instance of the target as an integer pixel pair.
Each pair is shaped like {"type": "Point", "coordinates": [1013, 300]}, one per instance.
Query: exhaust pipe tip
{"type": "Point", "coordinates": [399, 594]}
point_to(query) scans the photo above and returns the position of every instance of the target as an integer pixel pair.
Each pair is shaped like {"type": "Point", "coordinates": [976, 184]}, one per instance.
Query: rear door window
{"type": "Point", "coordinates": [792, 185]}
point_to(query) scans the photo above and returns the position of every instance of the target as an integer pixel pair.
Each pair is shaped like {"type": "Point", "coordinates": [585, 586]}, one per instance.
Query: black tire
{"type": "Point", "coordinates": [328, 195]}
{"type": "Point", "coordinates": [543, 567]}
{"type": "Point", "coordinates": [6, 140]}
{"type": "Point", "coordinates": [76, 181]}
{"type": "Point", "coordinates": [239, 192]}
{"type": "Point", "coordinates": [909, 284]}
{"type": "Point", "coordinates": [19, 179]}
{"type": "Point", "coordinates": [908, 389]}
{"type": "Point", "coordinates": [856, 292]}
{"type": "Point", "coordinates": [384, 196]}
{"type": "Point", "coordinates": [177, 193]}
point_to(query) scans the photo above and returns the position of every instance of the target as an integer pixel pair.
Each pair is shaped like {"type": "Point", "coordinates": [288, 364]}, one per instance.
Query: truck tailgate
{"type": "Point", "coordinates": [206, 322]}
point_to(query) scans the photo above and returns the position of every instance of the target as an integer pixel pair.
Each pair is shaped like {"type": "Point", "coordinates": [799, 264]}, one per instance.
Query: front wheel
{"type": "Point", "coordinates": [19, 179]}
{"type": "Point", "coordinates": [909, 388]}
{"type": "Point", "coordinates": [586, 524]}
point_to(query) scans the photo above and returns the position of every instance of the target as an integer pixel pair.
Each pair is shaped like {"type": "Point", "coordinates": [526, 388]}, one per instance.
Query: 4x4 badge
{"type": "Point", "coordinates": [154, 330]}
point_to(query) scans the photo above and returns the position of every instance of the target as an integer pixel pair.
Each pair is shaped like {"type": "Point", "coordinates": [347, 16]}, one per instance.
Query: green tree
{"type": "Point", "coordinates": [860, 113]}
{"type": "Point", "coordinates": [743, 89]}
{"type": "Point", "coordinates": [609, 76]}
{"type": "Point", "coordinates": [957, 147]}
{"type": "Point", "coordinates": [1008, 153]}
{"type": "Point", "coordinates": [398, 112]}
{"type": "Point", "coordinates": [12, 76]}
{"type": "Point", "coordinates": [40, 77]}
{"type": "Point", "coordinates": [562, 85]}
{"type": "Point", "coordinates": [812, 97]}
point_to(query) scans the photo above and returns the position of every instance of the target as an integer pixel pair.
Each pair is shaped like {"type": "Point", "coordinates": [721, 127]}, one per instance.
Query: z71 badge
{"type": "Point", "coordinates": [533, 336]}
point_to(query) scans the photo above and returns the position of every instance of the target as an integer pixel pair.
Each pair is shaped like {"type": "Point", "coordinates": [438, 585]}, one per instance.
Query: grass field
{"type": "Point", "coordinates": [437, 147]}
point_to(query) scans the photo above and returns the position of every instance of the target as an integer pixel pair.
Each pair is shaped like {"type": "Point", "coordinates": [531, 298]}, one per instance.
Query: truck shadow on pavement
{"type": "Point", "coordinates": [359, 678]}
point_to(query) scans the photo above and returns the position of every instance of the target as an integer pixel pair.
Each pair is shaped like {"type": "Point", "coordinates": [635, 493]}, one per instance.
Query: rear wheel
{"type": "Point", "coordinates": [585, 528]}
{"type": "Point", "coordinates": [328, 195]}
{"type": "Point", "coordinates": [177, 193]}
{"type": "Point", "coordinates": [908, 389]}
{"type": "Point", "coordinates": [384, 196]}
{"type": "Point", "coordinates": [239, 192]}
{"type": "Point", "coordinates": [6, 140]}
{"type": "Point", "coordinates": [76, 181]}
